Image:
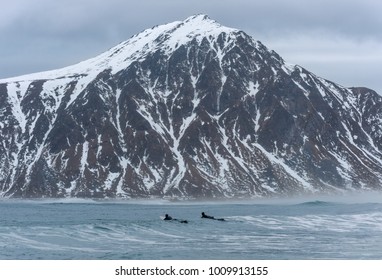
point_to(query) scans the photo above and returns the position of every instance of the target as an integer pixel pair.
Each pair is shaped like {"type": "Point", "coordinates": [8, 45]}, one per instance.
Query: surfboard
{"type": "Point", "coordinates": [180, 221]}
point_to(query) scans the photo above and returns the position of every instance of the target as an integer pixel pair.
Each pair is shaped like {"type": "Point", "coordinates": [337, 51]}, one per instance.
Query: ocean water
{"type": "Point", "coordinates": [279, 229]}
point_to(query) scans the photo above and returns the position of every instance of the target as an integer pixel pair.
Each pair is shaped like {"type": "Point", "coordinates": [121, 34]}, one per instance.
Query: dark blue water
{"type": "Point", "coordinates": [133, 230]}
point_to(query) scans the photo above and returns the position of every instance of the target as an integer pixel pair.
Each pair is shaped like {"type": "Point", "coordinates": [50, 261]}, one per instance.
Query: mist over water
{"type": "Point", "coordinates": [341, 227]}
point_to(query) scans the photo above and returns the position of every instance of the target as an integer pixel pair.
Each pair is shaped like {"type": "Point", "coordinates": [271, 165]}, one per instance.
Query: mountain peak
{"type": "Point", "coordinates": [198, 17]}
{"type": "Point", "coordinates": [186, 109]}
{"type": "Point", "coordinates": [203, 24]}
{"type": "Point", "coordinates": [202, 20]}
{"type": "Point", "coordinates": [166, 36]}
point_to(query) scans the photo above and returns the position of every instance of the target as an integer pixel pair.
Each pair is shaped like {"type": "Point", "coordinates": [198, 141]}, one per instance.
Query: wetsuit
{"type": "Point", "coordinates": [167, 218]}
{"type": "Point", "coordinates": [206, 216]}
{"type": "Point", "coordinates": [211, 217]}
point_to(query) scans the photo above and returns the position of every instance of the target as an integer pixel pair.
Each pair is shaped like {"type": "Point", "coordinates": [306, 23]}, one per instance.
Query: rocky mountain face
{"type": "Point", "coordinates": [189, 109]}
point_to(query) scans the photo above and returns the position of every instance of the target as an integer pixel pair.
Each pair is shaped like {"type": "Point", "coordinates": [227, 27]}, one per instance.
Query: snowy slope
{"type": "Point", "coordinates": [186, 109]}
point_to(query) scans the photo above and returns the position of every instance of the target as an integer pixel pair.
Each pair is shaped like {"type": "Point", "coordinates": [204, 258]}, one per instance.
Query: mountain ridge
{"type": "Point", "coordinates": [189, 109]}
{"type": "Point", "coordinates": [150, 35]}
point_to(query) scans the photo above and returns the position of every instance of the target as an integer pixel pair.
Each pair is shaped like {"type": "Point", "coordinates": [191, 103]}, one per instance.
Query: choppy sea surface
{"type": "Point", "coordinates": [259, 229]}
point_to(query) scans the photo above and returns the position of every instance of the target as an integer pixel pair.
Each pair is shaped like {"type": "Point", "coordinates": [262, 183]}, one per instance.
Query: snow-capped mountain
{"type": "Point", "coordinates": [186, 109]}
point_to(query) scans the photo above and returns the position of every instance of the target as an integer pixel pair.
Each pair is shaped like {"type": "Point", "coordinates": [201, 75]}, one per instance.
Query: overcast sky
{"type": "Point", "coordinates": [340, 40]}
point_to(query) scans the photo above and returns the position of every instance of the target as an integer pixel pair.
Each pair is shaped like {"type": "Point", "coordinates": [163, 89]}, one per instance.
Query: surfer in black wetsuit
{"type": "Point", "coordinates": [206, 216]}
{"type": "Point", "coordinates": [167, 217]}
{"type": "Point", "coordinates": [211, 217]}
